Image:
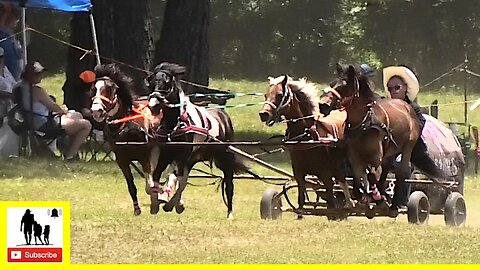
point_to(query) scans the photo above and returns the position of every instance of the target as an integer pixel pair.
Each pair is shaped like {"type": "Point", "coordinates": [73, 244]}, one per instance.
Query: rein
{"type": "Point", "coordinates": [140, 112]}
{"type": "Point", "coordinates": [287, 98]}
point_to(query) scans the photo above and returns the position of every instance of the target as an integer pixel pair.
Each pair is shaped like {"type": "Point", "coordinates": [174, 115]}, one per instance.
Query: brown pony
{"type": "Point", "coordinates": [298, 103]}
{"type": "Point", "coordinates": [377, 131]}
{"type": "Point", "coordinates": [113, 102]}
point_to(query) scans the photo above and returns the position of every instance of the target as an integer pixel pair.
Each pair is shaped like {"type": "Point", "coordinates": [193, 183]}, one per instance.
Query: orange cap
{"type": "Point", "coordinates": [88, 76]}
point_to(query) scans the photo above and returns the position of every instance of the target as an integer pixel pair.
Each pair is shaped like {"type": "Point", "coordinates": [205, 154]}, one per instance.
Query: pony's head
{"type": "Point", "coordinates": [349, 85]}
{"type": "Point", "coordinates": [163, 83]}
{"type": "Point", "coordinates": [112, 90]}
{"type": "Point", "coordinates": [277, 100]}
{"type": "Point", "coordinates": [289, 99]}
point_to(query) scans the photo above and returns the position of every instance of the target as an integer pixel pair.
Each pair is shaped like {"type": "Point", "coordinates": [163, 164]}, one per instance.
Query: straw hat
{"type": "Point", "coordinates": [407, 76]}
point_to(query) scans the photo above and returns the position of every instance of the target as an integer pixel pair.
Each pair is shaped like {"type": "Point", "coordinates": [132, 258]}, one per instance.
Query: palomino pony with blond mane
{"type": "Point", "coordinates": [297, 102]}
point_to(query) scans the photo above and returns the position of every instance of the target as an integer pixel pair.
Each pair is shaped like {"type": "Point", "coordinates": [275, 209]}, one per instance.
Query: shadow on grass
{"type": "Point", "coordinates": [55, 169]}
{"type": "Point", "coordinates": [268, 153]}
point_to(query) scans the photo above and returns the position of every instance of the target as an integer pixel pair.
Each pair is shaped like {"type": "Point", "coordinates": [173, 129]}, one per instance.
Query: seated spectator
{"type": "Point", "coordinates": [9, 141]}
{"type": "Point", "coordinates": [47, 115]}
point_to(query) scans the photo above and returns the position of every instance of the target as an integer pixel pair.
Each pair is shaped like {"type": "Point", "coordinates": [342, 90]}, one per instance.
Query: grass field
{"type": "Point", "coordinates": [104, 230]}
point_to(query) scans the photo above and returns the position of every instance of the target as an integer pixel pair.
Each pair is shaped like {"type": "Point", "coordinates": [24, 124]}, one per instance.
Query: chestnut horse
{"type": "Point", "coordinates": [298, 103]}
{"type": "Point", "coordinates": [377, 131]}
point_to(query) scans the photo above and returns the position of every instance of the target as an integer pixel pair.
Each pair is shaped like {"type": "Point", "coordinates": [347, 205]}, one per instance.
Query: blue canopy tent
{"type": "Point", "coordinates": [62, 5]}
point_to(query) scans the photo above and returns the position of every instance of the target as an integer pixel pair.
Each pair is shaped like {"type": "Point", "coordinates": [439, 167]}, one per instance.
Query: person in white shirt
{"type": "Point", "coordinates": [47, 115]}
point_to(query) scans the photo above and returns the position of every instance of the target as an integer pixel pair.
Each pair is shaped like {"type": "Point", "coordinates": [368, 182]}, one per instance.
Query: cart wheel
{"type": "Point", "coordinates": [418, 208]}
{"type": "Point", "coordinates": [455, 210]}
{"type": "Point", "coordinates": [271, 205]}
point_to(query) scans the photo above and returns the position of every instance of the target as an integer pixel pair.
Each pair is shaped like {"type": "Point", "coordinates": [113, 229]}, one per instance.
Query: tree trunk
{"type": "Point", "coordinates": [124, 37]}
{"type": "Point", "coordinates": [80, 36]}
{"type": "Point", "coordinates": [184, 40]}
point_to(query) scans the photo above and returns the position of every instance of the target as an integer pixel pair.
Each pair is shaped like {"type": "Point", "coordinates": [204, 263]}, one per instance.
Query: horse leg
{"type": "Point", "coordinates": [300, 178]}
{"type": "Point", "coordinates": [340, 178]}
{"type": "Point", "coordinates": [154, 184]}
{"type": "Point", "coordinates": [147, 166]}
{"type": "Point", "coordinates": [148, 181]}
{"type": "Point", "coordinates": [328, 185]}
{"type": "Point", "coordinates": [127, 172]}
{"type": "Point", "coordinates": [400, 196]}
{"type": "Point", "coordinates": [373, 179]}
{"type": "Point", "coordinates": [383, 178]}
{"type": "Point", "coordinates": [358, 170]}
{"type": "Point", "coordinates": [182, 170]}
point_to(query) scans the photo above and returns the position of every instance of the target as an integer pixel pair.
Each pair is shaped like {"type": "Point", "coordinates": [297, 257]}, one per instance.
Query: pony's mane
{"type": "Point", "coordinates": [124, 82]}
{"type": "Point", "coordinates": [306, 92]}
{"type": "Point", "coordinates": [366, 88]}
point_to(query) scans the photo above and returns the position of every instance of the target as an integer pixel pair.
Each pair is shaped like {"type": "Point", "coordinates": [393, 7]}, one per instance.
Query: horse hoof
{"type": "Point", "coordinates": [179, 208]}
{"type": "Point", "coordinates": [167, 208]}
{"type": "Point", "coordinates": [230, 216]}
{"type": "Point", "coordinates": [154, 209]}
{"type": "Point", "coordinates": [393, 212]}
{"type": "Point", "coordinates": [137, 212]}
{"type": "Point", "coordinates": [154, 204]}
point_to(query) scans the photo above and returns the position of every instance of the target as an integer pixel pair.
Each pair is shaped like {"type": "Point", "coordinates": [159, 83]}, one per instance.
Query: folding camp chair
{"type": "Point", "coordinates": [35, 142]}
{"type": "Point", "coordinates": [95, 146]}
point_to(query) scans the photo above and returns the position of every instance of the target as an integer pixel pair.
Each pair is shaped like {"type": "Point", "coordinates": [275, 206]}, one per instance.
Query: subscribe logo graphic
{"type": "Point", "coordinates": [35, 234]}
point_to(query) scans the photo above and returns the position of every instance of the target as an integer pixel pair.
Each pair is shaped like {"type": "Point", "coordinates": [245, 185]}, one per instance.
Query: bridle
{"type": "Point", "coordinates": [110, 106]}
{"type": "Point", "coordinates": [287, 97]}
{"type": "Point", "coordinates": [346, 101]}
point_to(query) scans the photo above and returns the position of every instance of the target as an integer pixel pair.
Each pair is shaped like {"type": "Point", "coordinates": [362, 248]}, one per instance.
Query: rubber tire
{"type": "Point", "coordinates": [270, 205]}
{"type": "Point", "coordinates": [455, 210]}
{"type": "Point", "coordinates": [418, 208]}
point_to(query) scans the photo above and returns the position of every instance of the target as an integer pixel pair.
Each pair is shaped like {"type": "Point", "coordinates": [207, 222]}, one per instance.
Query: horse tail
{"type": "Point", "coordinates": [426, 165]}
{"type": "Point", "coordinates": [239, 165]}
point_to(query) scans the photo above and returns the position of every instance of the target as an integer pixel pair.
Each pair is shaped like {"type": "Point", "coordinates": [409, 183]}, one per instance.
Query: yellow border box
{"type": "Point", "coordinates": [66, 234]}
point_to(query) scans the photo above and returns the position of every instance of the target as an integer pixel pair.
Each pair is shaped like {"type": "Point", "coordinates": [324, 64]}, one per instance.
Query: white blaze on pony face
{"type": "Point", "coordinates": [153, 102]}
{"type": "Point", "coordinates": [98, 109]}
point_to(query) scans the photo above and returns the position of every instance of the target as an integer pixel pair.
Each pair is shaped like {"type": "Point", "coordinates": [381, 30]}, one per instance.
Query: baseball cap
{"type": "Point", "coordinates": [87, 76]}
{"type": "Point", "coordinates": [33, 68]}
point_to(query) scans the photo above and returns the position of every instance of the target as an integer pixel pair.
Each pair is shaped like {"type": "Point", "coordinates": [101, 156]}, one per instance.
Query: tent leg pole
{"type": "Point", "coordinates": [94, 36]}
{"type": "Point", "coordinates": [24, 35]}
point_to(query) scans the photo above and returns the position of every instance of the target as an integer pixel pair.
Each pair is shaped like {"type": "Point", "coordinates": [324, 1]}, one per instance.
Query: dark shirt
{"type": "Point", "coordinates": [418, 112]}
